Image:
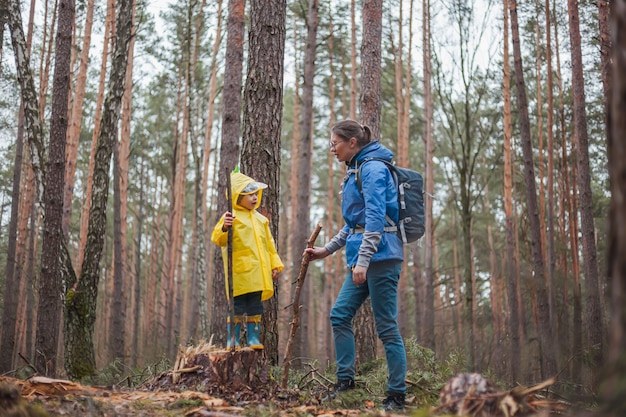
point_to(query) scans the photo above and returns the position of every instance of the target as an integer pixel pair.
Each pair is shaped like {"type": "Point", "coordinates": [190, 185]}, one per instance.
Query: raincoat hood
{"type": "Point", "coordinates": [241, 184]}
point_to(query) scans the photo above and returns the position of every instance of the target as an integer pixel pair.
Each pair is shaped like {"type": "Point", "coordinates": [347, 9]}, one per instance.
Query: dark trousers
{"type": "Point", "coordinates": [249, 304]}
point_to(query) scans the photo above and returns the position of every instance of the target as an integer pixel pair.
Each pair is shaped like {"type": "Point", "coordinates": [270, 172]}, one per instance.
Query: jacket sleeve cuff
{"type": "Point", "coordinates": [369, 246]}
{"type": "Point", "coordinates": [337, 242]}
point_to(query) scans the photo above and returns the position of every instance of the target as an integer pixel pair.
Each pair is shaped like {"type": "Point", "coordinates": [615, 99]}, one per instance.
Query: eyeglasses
{"type": "Point", "coordinates": [333, 145]}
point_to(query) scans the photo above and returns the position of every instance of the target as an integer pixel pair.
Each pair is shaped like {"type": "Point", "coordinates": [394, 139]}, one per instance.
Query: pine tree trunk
{"type": "Point", "coordinates": [546, 342]}
{"type": "Point", "coordinates": [208, 134]}
{"type": "Point", "coordinates": [263, 103]}
{"type": "Point", "coordinates": [594, 325]}
{"type": "Point", "coordinates": [303, 188]}
{"type": "Point", "coordinates": [511, 260]}
{"type": "Point", "coordinates": [429, 150]}
{"type": "Point", "coordinates": [229, 152]}
{"type": "Point", "coordinates": [614, 388]}
{"type": "Point", "coordinates": [571, 342]}
{"type": "Point", "coordinates": [370, 108]}
{"type": "Point", "coordinates": [81, 300]}
{"type": "Point", "coordinates": [291, 264]}
{"type": "Point", "coordinates": [73, 135]}
{"type": "Point", "coordinates": [128, 278]}
{"type": "Point", "coordinates": [51, 284]}
{"type": "Point", "coordinates": [117, 327]}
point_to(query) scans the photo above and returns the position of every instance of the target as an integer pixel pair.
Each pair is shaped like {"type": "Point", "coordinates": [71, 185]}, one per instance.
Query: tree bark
{"type": "Point", "coordinates": [51, 284]}
{"type": "Point", "coordinates": [81, 300]}
{"type": "Point", "coordinates": [262, 114]}
{"type": "Point", "coordinates": [73, 134]}
{"type": "Point", "coordinates": [229, 152]}
{"type": "Point", "coordinates": [592, 287]}
{"type": "Point", "coordinates": [546, 342]}
{"type": "Point", "coordinates": [370, 108]}
{"type": "Point", "coordinates": [429, 149]}
{"type": "Point", "coordinates": [109, 32]}
{"type": "Point", "coordinates": [614, 387]}
{"type": "Point", "coordinates": [208, 134]}
{"type": "Point", "coordinates": [303, 174]}
{"type": "Point", "coordinates": [511, 260]}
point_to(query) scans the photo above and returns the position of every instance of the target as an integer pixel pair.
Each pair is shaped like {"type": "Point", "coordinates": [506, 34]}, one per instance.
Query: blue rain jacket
{"type": "Point", "coordinates": [366, 211]}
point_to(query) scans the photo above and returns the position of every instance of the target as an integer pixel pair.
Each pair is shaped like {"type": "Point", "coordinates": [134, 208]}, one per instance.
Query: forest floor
{"type": "Point", "coordinates": [206, 383]}
{"type": "Point", "coordinates": [55, 397]}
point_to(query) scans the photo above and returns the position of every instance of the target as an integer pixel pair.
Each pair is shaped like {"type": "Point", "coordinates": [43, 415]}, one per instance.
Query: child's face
{"type": "Point", "coordinates": [249, 200]}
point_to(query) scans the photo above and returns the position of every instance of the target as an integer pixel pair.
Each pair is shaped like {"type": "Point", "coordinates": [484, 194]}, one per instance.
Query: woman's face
{"type": "Point", "coordinates": [343, 149]}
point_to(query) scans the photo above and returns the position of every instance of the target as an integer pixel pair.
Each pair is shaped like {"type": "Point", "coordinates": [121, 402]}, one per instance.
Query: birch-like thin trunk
{"type": "Point", "coordinates": [109, 32]}
{"type": "Point", "coordinates": [73, 134]}
{"type": "Point", "coordinates": [79, 348]}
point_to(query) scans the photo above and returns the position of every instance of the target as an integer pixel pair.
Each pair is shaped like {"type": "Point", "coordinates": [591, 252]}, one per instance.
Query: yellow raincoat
{"type": "Point", "coordinates": [254, 250]}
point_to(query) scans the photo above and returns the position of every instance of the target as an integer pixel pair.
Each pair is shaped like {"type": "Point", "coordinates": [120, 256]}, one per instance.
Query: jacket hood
{"type": "Point", "coordinates": [372, 150]}
{"type": "Point", "coordinates": [240, 184]}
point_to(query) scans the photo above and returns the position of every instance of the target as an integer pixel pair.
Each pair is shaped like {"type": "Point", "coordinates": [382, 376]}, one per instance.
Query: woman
{"type": "Point", "coordinates": [374, 257]}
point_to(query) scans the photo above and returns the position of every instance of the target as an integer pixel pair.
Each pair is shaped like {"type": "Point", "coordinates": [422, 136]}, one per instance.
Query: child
{"type": "Point", "coordinates": [255, 260]}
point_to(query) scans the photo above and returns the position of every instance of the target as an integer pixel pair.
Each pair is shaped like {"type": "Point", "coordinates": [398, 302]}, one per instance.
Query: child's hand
{"type": "Point", "coordinates": [275, 273]}
{"type": "Point", "coordinates": [228, 221]}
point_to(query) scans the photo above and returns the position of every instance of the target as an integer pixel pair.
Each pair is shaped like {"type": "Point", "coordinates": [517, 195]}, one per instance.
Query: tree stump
{"type": "Point", "coordinates": [239, 375]}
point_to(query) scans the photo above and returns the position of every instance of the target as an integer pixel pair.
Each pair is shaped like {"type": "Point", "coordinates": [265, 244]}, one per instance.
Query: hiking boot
{"type": "Point", "coordinates": [342, 385]}
{"type": "Point", "coordinates": [394, 402]}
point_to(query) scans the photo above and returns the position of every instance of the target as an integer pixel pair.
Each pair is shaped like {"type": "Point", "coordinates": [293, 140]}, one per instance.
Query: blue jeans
{"type": "Point", "coordinates": [382, 287]}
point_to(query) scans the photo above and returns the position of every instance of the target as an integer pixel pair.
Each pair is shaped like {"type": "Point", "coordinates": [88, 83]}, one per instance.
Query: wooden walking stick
{"type": "Point", "coordinates": [295, 321]}
{"type": "Point", "coordinates": [231, 301]}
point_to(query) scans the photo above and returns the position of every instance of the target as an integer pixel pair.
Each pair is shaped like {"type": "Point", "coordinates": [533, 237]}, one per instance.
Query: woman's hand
{"type": "Point", "coordinates": [359, 275]}
{"type": "Point", "coordinates": [316, 252]}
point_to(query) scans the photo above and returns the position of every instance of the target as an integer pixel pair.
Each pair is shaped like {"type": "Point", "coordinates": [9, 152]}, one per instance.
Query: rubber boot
{"type": "Point", "coordinates": [238, 322]}
{"type": "Point", "coordinates": [253, 328]}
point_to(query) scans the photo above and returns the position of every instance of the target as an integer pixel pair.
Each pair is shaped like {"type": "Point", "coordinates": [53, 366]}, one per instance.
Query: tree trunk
{"type": "Point", "coordinates": [605, 52]}
{"type": "Point", "coordinates": [570, 316]}
{"type": "Point", "coordinates": [546, 342]}
{"type": "Point", "coordinates": [353, 63]}
{"type": "Point", "coordinates": [11, 283]}
{"type": "Point", "coordinates": [51, 284]}
{"type": "Point", "coordinates": [614, 387]}
{"type": "Point", "coordinates": [370, 108]}
{"type": "Point", "coordinates": [229, 152]}
{"type": "Point", "coordinates": [81, 300]}
{"type": "Point", "coordinates": [208, 134]}
{"type": "Point", "coordinates": [594, 326]}
{"type": "Point", "coordinates": [332, 209]}
{"type": "Point", "coordinates": [429, 148]}
{"type": "Point", "coordinates": [302, 192]}
{"type": "Point", "coordinates": [73, 134]}
{"type": "Point", "coordinates": [128, 278]}
{"type": "Point", "coordinates": [511, 261]}
{"type": "Point", "coordinates": [117, 301]}
{"type": "Point", "coordinates": [263, 103]}
{"type": "Point", "coordinates": [291, 219]}
{"type": "Point", "coordinates": [109, 31]}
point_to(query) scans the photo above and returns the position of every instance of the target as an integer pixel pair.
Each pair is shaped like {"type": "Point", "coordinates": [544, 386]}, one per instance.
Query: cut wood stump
{"type": "Point", "coordinates": [239, 375]}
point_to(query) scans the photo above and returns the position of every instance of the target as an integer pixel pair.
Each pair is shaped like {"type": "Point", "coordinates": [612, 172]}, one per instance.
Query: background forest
{"type": "Point", "coordinates": [511, 275]}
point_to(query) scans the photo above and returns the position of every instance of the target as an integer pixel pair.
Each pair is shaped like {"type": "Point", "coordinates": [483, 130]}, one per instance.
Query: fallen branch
{"type": "Point", "coordinates": [295, 321]}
